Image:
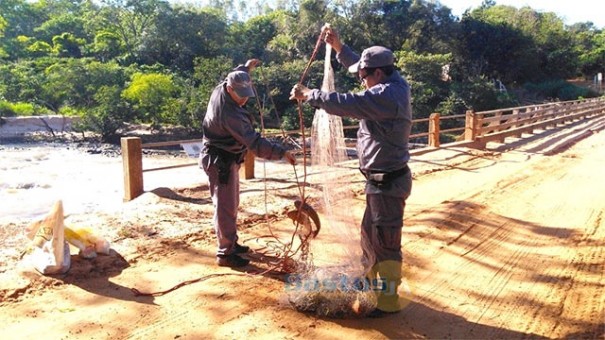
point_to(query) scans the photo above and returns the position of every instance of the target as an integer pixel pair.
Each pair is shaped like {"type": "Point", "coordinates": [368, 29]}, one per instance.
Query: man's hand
{"type": "Point", "coordinates": [252, 63]}
{"type": "Point", "coordinates": [331, 37]}
{"type": "Point", "coordinates": [290, 157]}
{"type": "Point", "coordinates": [299, 92]}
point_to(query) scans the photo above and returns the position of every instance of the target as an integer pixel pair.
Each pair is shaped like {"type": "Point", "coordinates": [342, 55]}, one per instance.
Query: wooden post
{"type": "Point", "coordinates": [248, 168]}
{"type": "Point", "coordinates": [470, 124]}
{"type": "Point", "coordinates": [434, 130]}
{"type": "Point", "coordinates": [132, 159]}
{"type": "Point", "coordinates": [515, 117]}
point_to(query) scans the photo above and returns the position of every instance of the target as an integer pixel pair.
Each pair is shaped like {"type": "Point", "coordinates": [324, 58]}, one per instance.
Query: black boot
{"type": "Point", "coordinates": [238, 249]}
{"type": "Point", "coordinates": [231, 261]}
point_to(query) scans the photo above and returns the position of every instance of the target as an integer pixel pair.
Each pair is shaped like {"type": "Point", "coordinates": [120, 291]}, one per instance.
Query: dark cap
{"type": "Point", "coordinates": [375, 56]}
{"type": "Point", "coordinates": [241, 83]}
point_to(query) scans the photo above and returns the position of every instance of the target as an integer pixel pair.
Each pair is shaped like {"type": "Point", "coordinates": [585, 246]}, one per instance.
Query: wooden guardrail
{"type": "Point", "coordinates": [476, 129]}
{"type": "Point", "coordinates": [132, 159]}
{"type": "Point", "coordinates": [496, 125]}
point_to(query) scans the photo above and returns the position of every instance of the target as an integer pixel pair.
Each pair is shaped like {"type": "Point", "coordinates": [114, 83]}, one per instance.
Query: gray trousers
{"type": "Point", "coordinates": [381, 229]}
{"type": "Point", "coordinates": [225, 198]}
{"type": "Point", "coordinates": [381, 240]}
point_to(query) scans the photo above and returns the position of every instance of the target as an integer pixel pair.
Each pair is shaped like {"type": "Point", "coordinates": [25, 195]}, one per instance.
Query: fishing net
{"type": "Point", "coordinates": [332, 283]}
{"type": "Point", "coordinates": [327, 137]}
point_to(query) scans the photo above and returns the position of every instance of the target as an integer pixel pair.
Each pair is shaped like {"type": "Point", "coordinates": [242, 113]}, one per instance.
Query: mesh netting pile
{"type": "Point", "coordinates": [331, 292]}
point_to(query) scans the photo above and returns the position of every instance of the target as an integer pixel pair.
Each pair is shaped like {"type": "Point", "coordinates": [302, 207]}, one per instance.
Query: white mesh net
{"type": "Point", "coordinates": [327, 137]}
{"type": "Point", "coordinates": [333, 284]}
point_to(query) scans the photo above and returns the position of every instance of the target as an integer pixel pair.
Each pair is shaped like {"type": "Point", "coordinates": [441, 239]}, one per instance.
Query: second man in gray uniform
{"type": "Point", "coordinates": [228, 134]}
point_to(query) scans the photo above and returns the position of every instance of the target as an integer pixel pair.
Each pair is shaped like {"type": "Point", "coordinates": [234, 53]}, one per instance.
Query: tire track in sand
{"type": "Point", "coordinates": [535, 254]}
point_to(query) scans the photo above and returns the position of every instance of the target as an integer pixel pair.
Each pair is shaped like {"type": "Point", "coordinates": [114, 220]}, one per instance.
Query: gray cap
{"type": "Point", "coordinates": [375, 56]}
{"type": "Point", "coordinates": [241, 83]}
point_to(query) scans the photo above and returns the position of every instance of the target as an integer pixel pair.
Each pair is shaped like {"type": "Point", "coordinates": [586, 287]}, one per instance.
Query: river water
{"type": "Point", "coordinates": [34, 176]}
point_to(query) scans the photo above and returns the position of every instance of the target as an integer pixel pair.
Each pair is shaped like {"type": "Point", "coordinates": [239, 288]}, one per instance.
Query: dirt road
{"type": "Point", "coordinates": [503, 243]}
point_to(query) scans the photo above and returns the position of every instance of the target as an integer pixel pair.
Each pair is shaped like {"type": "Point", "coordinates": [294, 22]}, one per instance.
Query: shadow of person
{"type": "Point", "coordinates": [419, 320]}
{"type": "Point", "coordinates": [92, 275]}
{"type": "Point", "coordinates": [595, 331]}
{"type": "Point", "coordinates": [189, 195]}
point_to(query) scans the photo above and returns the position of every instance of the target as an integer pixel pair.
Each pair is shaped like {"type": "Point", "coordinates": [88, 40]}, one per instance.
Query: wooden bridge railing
{"type": "Point", "coordinates": [476, 129]}
{"type": "Point", "coordinates": [496, 125]}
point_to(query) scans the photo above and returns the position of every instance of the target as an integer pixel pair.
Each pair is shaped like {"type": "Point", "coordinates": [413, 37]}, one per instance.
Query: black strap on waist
{"type": "Point", "coordinates": [224, 155]}
{"type": "Point", "coordinates": [385, 177]}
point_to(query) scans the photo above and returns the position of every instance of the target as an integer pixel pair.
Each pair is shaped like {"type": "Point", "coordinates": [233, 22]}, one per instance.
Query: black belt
{"type": "Point", "coordinates": [224, 160]}
{"type": "Point", "coordinates": [385, 177]}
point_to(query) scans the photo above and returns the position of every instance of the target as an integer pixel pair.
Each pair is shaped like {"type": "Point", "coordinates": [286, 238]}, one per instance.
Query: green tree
{"type": "Point", "coordinates": [107, 46]}
{"type": "Point", "coordinates": [23, 81]}
{"type": "Point", "coordinates": [590, 47]}
{"type": "Point", "coordinates": [67, 45]}
{"type": "Point", "coordinates": [431, 29]}
{"type": "Point", "coordinates": [253, 36]}
{"type": "Point", "coordinates": [39, 49]}
{"type": "Point", "coordinates": [74, 82]}
{"type": "Point", "coordinates": [305, 27]}
{"type": "Point", "coordinates": [274, 83]}
{"type": "Point", "coordinates": [428, 80]}
{"type": "Point", "coordinates": [109, 115]}
{"type": "Point", "coordinates": [540, 41]}
{"type": "Point", "coordinates": [360, 19]}
{"type": "Point", "coordinates": [282, 46]}
{"type": "Point", "coordinates": [480, 94]}
{"type": "Point", "coordinates": [132, 20]}
{"type": "Point", "coordinates": [63, 23]}
{"type": "Point", "coordinates": [3, 54]}
{"type": "Point", "coordinates": [180, 35]}
{"type": "Point", "coordinates": [150, 94]}
{"type": "Point", "coordinates": [21, 19]}
{"type": "Point", "coordinates": [495, 50]}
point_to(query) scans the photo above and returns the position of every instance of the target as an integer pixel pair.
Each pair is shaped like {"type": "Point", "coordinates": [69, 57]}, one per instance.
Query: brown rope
{"type": "Point", "coordinates": [287, 248]}
{"type": "Point", "coordinates": [287, 252]}
{"type": "Point", "coordinates": [137, 292]}
{"type": "Point", "coordinates": [313, 55]}
{"type": "Point", "coordinates": [300, 112]}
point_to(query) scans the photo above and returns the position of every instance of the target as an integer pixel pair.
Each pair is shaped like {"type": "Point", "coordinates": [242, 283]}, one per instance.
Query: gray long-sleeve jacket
{"type": "Point", "coordinates": [385, 114]}
{"type": "Point", "coordinates": [229, 127]}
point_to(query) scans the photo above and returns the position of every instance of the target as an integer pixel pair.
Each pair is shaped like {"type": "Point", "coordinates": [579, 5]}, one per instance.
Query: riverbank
{"type": "Point", "coordinates": [37, 128]}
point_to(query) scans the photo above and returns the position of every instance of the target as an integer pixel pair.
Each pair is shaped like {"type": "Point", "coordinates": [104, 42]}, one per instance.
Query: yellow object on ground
{"type": "Point", "coordinates": [88, 243]}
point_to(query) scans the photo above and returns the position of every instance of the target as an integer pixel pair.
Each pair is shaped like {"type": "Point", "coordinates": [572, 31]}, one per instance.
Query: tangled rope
{"type": "Point", "coordinates": [275, 248]}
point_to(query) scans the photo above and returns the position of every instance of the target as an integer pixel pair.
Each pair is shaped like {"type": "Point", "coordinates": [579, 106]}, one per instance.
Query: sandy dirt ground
{"type": "Point", "coordinates": [507, 242]}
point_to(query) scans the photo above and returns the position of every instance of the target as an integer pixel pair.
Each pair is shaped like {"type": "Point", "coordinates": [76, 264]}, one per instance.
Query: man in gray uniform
{"type": "Point", "coordinates": [385, 113]}
{"type": "Point", "coordinates": [228, 133]}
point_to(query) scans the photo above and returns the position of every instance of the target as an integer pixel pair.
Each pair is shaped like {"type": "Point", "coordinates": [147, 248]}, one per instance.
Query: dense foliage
{"type": "Point", "coordinates": [119, 61]}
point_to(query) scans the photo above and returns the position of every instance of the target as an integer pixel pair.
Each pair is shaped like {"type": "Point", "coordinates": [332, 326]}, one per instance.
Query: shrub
{"type": "Point", "coordinates": [560, 90]}
{"type": "Point", "coordinates": [8, 109]}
